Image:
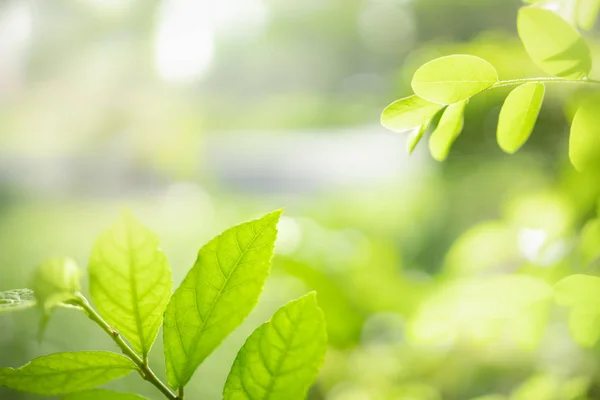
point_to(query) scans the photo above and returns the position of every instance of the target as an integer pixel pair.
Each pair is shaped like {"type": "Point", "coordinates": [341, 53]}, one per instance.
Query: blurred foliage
{"type": "Point", "coordinates": [437, 280]}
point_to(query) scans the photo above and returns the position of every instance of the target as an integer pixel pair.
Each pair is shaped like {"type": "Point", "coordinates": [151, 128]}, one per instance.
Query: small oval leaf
{"type": "Point", "coordinates": [101, 394]}
{"type": "Point", "coordinates": [553, 44]}
{"type": "Point", "coordinates": [63, 373]}
{"type": "Point", "coordinates": [584, 141]}
{"type": "Point", "coordinates": [415, 137]}
{"type": "Point", "coordinates": [588, 244]}
{"type": "Point", "coordinates": [582, 294]}
{"type": "Point", "coordinates": [281, 359]}
{"type": "Point", "coordinates": [217, 294]}
{"type": "Point", "coordinates": [408, 113]}
{"type": "Point", "coordinates": [16, 299]}
{"type": "Point", "coordinates": [130, 281]}
{"type": "Point", "coordinates": [448, 129]}
{"type": "Point", "coordinates": [518, 116]}
{"type": "Point", "coordinates": [454, 78]}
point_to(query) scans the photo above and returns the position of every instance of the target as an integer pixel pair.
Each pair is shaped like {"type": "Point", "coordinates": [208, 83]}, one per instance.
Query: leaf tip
{"type": "Point", "coordinates": [274, 215]}
{"type": "Point", "coordinates": [311, 296]}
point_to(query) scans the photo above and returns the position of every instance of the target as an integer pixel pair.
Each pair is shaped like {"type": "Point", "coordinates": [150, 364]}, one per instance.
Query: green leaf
{"type": "Point", "coordinates": [582, 294]}
{"type": "Point", "coordinates": [584, 141]}
{"type": "Point", "coordinates": [100, 394]}
{"type": "Point", "coordinates": [447, 131]}
{"type": "Point", "coordinates": [587, 13]}
{"type": "Point", "coordinates": [281, 359]}
{"type": "Point", "coordinates": [518, 116]}
{"type": "Point", "coordinates": [590, 238]}
{"type": "Point", "coordinates": [217, 294]}
{"type": "Point", "coordinates": [454, 78]}
{"type": "Point", "coordinates": [63, 373]}
{"type": "Point", "coordinates": [56, 281]}
{"type": "Point", "coordinates": [408, 113]}
{"type": "Point", "coordinates": [16, 299]}
{"type": "Point", "coordinates": [130, 281]}
{"type": "Point", "coordinates": [415, 137]}
{"type": "Point", "coordinates": [553, 44]}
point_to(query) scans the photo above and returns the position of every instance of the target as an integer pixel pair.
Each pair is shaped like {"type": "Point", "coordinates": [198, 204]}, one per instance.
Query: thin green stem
{"type": "Point", "coordinates": [181, 395]}
{"type": "Point", "coordinates": [144, 369]}
{"type": "Point", "coordinates": [512, 82]}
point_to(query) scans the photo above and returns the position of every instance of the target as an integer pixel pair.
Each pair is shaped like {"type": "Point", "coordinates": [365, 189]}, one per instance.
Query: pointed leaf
{"type": "Point", "coordinates": [587, 13]}
{"type": "Point", "coordinates": [130, 281]}
{"type": "Point", "coordinates": [63, 373]}
{"type": "Point", "coordinates": [100, 394]}
{"type": "Point", "coordinates": [281, 359]}
{"type": "Point", "coordinates": [447, 131]}
{"type": "Point", "coordinates": [16, 299]}
{"type": "Point", "coordinates": [518, 116]}
{"type": "Point", "coordinates": [217, 294]}
{"type": "Point", "coordinates": [454, 78]}
{"type": "Point", "coordinates": [582, 294]}
{"type": "Point", "coordinates": [408, 113]}
{"type": "Point", "coordinates": [584, 141]}
{"type": "Point", "coordinates": [553, 44]}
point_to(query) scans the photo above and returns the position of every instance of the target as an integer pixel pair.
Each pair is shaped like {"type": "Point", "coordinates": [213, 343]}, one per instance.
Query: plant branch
{"type": "Point", "coordinates": [512, 82]}
{"type": "Point", "coordinates": [144, 369]}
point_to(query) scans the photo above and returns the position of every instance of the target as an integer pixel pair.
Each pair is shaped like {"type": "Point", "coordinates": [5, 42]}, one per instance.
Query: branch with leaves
{"type": "Point", "coordinates": [445, 85]}
{"type": "Point", "coordinates": [130, 284]}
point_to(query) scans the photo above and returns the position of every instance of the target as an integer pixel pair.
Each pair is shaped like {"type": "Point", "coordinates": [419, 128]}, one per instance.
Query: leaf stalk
{"type": "Point", "coordinates": [512, 82]}
{"type": "Point", "coordinates": [144, 369]}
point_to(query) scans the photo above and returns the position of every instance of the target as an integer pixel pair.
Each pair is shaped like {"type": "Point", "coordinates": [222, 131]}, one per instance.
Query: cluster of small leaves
{"type": "Point", "coordinates": [445, 85]}
{"type": "Point", "coordinates": [130, 283]}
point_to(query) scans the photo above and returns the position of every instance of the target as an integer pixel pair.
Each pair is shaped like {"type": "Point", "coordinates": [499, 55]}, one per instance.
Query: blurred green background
{"type": "Point", "coordinates": [200, 114]}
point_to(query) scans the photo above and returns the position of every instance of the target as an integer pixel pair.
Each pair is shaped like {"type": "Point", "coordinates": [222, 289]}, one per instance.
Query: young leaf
{"type": "Point", "coordinates": [584, 141]}
{"type": "Point", "coordinates": [408, 113]}
{"type": "Point", "coordinates": [415, 137]}
{"type": "Point", "coordinates": [217, 294]}
{"type": "Point", "coordinates": [447, 131]}
{"type": "Point", "coordinates": [582, 294]}
{"type": "Point", "coordinates": [587, 13]}
{"type": "Point", "coordinates": [281, 359]}
{"type": "Point", "coordinates": [454, 78]}
{"type": "Point", "coordinates": [16, 299]}
{"type": "Point", "coordinates": [63, 373]}
{"type": "Point", "coordinates": [130, 281]}
{"type": "Point", "coordinates": [100, 394]}
{"type": "Point", "coordinates": [518, 115]}
{"type": "Point", "coordinates": [553, 44]}
{"type": "Point", "coordinates": [56, 281]}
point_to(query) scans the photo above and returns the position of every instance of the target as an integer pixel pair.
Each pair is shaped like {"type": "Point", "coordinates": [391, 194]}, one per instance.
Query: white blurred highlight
{"type": "Point", "coordinates": [187, 29]}
{"type": "Point", "coordinates": [15, 37]}
{"type": "Point", "coordinates": [531, 242]}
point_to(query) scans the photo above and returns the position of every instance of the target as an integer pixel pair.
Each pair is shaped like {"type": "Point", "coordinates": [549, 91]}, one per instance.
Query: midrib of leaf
{"type": "Point", "coordinates": [134, 294]}
{"type": "Point", "coordinates": [287, 347]}
{"type": "Point", "coordinates": [224, 286]}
